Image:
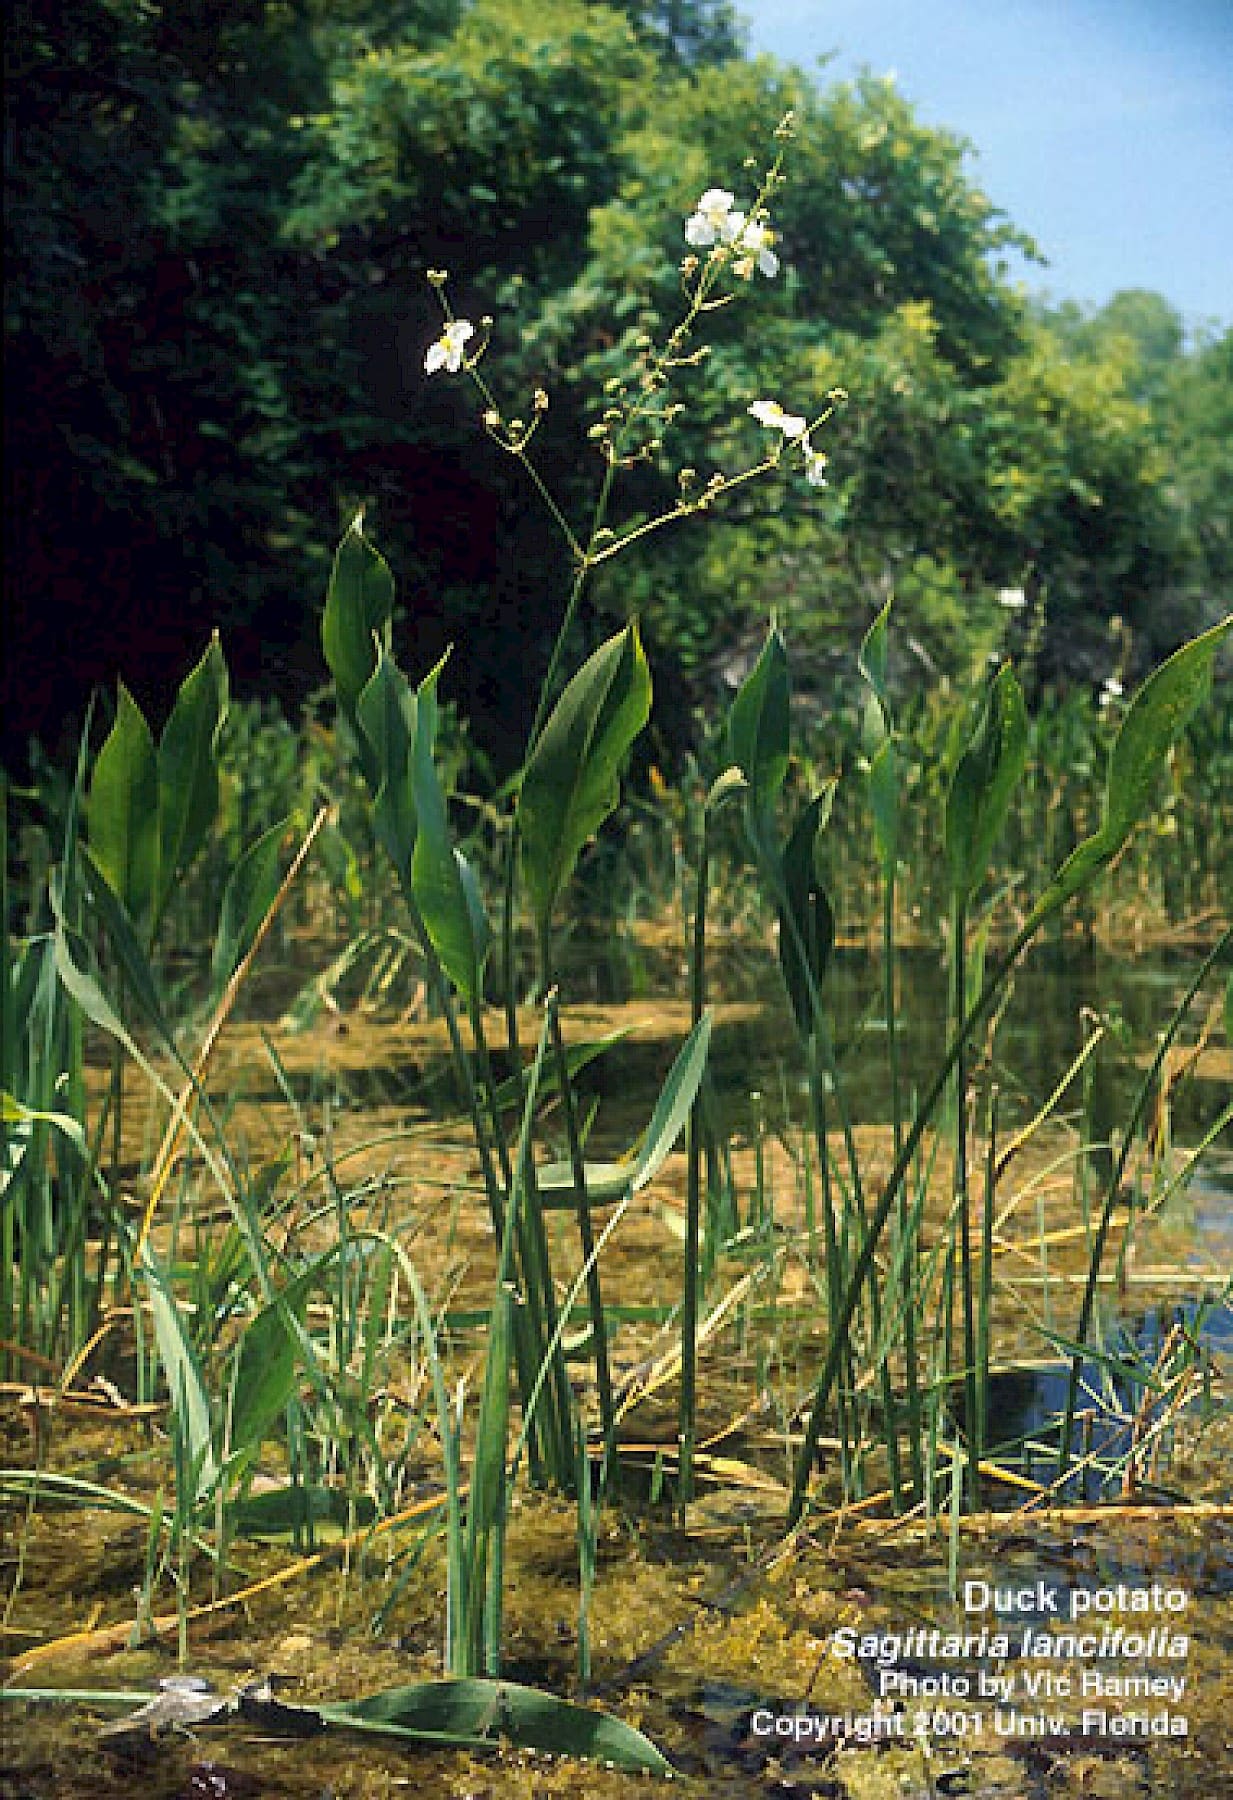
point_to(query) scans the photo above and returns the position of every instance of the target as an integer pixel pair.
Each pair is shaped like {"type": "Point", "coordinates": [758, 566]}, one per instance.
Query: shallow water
{"type": "Point", "coordinates": [746, 1643]}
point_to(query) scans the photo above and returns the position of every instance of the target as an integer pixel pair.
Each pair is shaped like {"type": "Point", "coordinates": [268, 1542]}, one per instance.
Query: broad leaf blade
{"type": "Point", "coordinates": [1154, 720]}
{"type": "Point", "coordinates": [874, 658]}
{"type": "Point", "coordinates": [571, 784]}
{"type": "Point", "coordinates": [358, 605]}
{"type": "Point", "coordinates": [611, 1181]}
{"type": "Point", "coordinates": [759, 727]}
{"type": "Point", "coordinates": [675, 1099]}
{"type": "Point", "coordinates": [1156, 716]}
{"type": "Point", "coordinates": [129, 951]}
{"type": "Point", "coordinates": [122, 812]}
{"type": "Point", "coordinates": [184, 1378]}
{"type": "Point", "coordinates": [984, 778]}
{"type": "Point", "coordinates": [607, 1182]}
{"type": "Point", "coordinates": [188, 769]}
{"type": "Point", "coordinates": [522, 1716]}
{"type": "Point", "coordinates": [387, 716]}
{"type": "Point", "coordinates": [266, 1361]}
{"type": "Point", "coordinates": [248, 896]}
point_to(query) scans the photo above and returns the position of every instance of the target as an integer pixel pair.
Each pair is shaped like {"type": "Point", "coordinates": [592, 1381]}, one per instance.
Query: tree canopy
{"type": "Point", "coordinates": [221, 224]}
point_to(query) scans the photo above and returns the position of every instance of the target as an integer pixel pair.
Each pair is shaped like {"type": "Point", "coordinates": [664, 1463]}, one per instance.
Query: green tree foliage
{"type": "Point", "coordinates": [1196, 413]}
{"type": "Point", "coordinates": [221, 222]}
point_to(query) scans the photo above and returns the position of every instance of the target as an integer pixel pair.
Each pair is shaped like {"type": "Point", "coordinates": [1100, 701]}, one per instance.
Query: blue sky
{"type": "Point", "coordinates": [1104, 128]}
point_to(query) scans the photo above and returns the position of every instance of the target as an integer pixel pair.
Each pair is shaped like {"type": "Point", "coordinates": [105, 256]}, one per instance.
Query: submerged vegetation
{"type": "Point", "coordinates": [415, 1352]}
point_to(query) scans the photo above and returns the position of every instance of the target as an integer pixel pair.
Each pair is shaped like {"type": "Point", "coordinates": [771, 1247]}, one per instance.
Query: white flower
{"type": "Point", "coordinates": [815, 465]}
{"type": "Point", "coordinates": [773, 416]}
{"type": "Point", "coordinates": [754, 247]}
{"type": "Point", "coordinates": [714, 221]}
{"type": "Point", "coordinates": [1013, 599]}
{"type": "Point", "coordinates": [447, 352]}
{"type": "Point", "coordinates": [1110, 691]}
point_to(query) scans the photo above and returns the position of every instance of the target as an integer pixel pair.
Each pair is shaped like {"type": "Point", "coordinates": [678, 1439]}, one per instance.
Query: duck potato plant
{"type": "Point", "coordinates": [231, 1318]}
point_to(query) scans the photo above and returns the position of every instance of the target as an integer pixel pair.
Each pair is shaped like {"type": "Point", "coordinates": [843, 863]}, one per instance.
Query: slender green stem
{"type": "Point", "coordinates": [687, 1425]}
{"type": "Point", "coordinates": [834, 1265]}
{"type": "Point", "coordinates": [962, 1196]}
{"type": "Point", "coordinates": [586, 1235]}
{"type": "Point", "coordinates": [985, 1293]}
{"type": "Point", "coordinates": [907, 1238]}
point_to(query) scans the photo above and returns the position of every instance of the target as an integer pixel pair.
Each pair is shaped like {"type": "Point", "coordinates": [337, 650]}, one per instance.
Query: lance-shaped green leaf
{"type": "Point", "coordinates": [185, 1382]}
{"type": "Point", "coordinates": [248, 896]}
{"type": "Point", "coordinates": [188, 770]}
{"type": "Point", "coordinates": [1154, 719]}
{"type": "Point", "coordinates": [878, 742]}
{"type": "Point", "coordinates": [806, 919]}
{"type": "Point", "coordinates": [127, 947]}
{"type": "Point", "coordinates": [358, 605]}
{"type": "Point", "coordinates": [445, 889]}
{"type": "Point", "coordinates": [475, 1710]}
{"type": "Point", "coordinates": [122, 812]}
{"type": "Point", "coordinates": [873, 663]}
{"type": "Point", "coordinates": [984, 778]}
{"type": "Point", "coordinates": [759, 727]}
{"type": "Point", "coordinates": [611, 1181]}
{"type": "Point", "coordinates": [266, 1359]}
{"type": "Point", "coordinates": [570, 784]}
{"type": "Point", "coordinates": [387, 717]}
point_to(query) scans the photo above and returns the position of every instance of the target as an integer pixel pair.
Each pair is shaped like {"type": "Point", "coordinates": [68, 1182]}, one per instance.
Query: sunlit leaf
{"type": "Point", "coordinates": [675, 1099]}
{"type": "Point", "coordinates": [1156, 716]}
{"type": "Point", "coordinates": [611, 1181]}
{"type": "Point", "coordinates": [725, 787]}
{"type": "Point", "coordinates": [15, 1112]}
